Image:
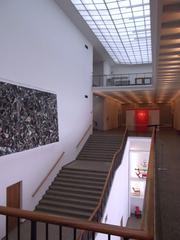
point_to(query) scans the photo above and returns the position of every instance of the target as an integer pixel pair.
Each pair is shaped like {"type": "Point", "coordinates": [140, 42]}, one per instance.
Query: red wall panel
{"type": "Point", "coordinates": [141, 119]}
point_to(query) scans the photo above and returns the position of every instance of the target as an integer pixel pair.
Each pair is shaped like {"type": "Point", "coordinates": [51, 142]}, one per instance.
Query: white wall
{"type": "Point", "coordinates": [118, 201]}
{"type": "Point", "coordinates": [98, 68]}
{"type": "Point", "coordinates": [124, 69]}
{"type": "Point", "coordinates": [106, 68]}
{"type": "Point", "coordinates": [41, 48]}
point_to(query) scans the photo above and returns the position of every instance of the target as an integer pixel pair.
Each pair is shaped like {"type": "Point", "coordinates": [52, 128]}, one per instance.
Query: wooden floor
{"type": "Point", "coordinates": [168, 185]}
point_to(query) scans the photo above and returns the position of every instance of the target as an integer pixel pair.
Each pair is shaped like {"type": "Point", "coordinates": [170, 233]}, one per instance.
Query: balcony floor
{"type": "Point", "coordinates": [168, 185]}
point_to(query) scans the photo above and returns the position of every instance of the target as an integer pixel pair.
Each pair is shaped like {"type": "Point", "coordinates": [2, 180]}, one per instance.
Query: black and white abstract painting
{"type": "Point", "coordinates": [28, 118]}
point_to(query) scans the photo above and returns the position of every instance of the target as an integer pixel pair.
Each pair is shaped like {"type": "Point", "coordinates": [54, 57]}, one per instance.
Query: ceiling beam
{"type": "Point", "coordinates": [170, 36]}
{"type": "Point", "coordinates": [164, 31]}
{"type": "Point", "coordinates": [169, 60]}
{"type": "Point", "coordinates": [170, 17]}
{"type": "Point", "coordinates": [174, 7]}
{"type": "Point", "coordinates": [175, 45]}
{"type": "Point", "coordinates": [171, 24]}
{"type": "Point", "coordinates": [169, 63]}
{"type": "Point", "coordinates": [173, 51]}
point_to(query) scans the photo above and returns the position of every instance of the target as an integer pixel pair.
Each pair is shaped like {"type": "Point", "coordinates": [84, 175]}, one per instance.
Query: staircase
{"type": "Point", "coordinates": [77, 188]}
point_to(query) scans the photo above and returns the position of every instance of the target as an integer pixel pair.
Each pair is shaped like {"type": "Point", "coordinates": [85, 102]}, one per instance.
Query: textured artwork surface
{"type": "Point", "coordinates": [28, 118]}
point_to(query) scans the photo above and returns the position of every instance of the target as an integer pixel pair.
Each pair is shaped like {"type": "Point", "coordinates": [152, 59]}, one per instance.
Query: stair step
{"type": "Point", "coordinates": [102, 147]}
{"type": "Point", "coordinates": [96, 153]}
{"type": "Point", "coordinates": [77, 186]}
{"type": "Point", "coordinates": [79, 181]}
{"type": "Point", "coordinates": [77, 190]}
{"type": "Point", "coordinates": [80, 178]}
{"type": "Point", "coordinates": [74, 200]}
{"type": "Point", "coordinates": [64, 205]}
{"type": "Point", "coordinates": [82, 196]}
{"type": "Point", "coordinates": [84, 173]}
{"type": "Point", "coordinates": [103, 143]}
{"type": "Point", "coordinates": [94, 171]}
{"type": "Point", "coordinates": [98, 159]}
{"type": "Point", "coordinates": [63, 212]}
{"type": "Point", "coordinates": [104, 139]}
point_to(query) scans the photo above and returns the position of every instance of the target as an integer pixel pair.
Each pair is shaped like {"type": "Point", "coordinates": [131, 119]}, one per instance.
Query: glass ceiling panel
{"type": "Point", "coordinates": [122, 26]}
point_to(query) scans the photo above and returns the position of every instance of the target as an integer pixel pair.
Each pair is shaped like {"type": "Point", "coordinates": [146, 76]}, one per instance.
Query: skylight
{"type": "Point", "coordinates": [122, 26]}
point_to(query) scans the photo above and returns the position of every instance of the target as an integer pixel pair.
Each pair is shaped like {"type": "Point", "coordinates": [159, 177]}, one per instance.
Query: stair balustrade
{"type": "Point", "coordinates": [61, 223]}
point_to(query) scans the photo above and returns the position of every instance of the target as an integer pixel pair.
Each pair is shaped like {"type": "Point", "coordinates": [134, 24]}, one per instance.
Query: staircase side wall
{"type": "Point", "coordinates": [41, 48]}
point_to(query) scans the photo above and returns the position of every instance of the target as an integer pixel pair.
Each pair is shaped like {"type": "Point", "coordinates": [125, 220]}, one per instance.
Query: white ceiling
{"type": "Point", "coordinates": [165, 22]}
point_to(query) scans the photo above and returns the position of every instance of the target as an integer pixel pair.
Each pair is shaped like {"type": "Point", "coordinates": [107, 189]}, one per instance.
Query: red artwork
{"type": "Point", "coordinates": [141, 119]}
{"type": "Point", "coordinates": [141, 173]}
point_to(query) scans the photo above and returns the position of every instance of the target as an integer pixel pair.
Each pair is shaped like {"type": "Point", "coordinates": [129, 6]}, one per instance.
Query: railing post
{"type": "Point", "coordinates": [47, 231]}
{"type": "Point", "coordinates": [7, 229]}
{"type": "Point", "coordinates": [60, 232]}
{"type": "Point", "coordinates": [18, 228]}
{"type": "Point", "coordinates": [33, 230]}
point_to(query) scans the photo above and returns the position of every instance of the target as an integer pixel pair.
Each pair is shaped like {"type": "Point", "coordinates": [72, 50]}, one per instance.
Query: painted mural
{"type": "Point", "coordinates": [28, 118]}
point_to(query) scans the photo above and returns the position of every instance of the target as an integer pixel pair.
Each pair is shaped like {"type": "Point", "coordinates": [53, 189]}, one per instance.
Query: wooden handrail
{"type": "Point", "coordinates": [83, 136]}
{"type": "Point", "coordinates": [45, 178]}
{"type": "Point", "coordinates": [149, 199]}
{"type": "Point", "coordinates": [75, 223]}
{"type": "Point", "coordinates": [108, 177]}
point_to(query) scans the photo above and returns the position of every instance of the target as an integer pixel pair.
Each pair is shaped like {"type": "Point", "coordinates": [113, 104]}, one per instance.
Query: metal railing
{"type": "Point", "coordinates": [120, 80]}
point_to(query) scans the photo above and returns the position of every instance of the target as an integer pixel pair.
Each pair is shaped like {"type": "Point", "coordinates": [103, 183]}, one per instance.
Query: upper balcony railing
{"type": "Point", "coordinates": [123, 80]}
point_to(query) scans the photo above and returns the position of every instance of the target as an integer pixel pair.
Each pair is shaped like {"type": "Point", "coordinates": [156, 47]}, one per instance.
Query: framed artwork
{"type": "Point", "coordinates": [28, 118]}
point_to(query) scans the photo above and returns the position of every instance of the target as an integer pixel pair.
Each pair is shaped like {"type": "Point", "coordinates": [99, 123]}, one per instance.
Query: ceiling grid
{"type": "Point", "coordinates": [122, 26]}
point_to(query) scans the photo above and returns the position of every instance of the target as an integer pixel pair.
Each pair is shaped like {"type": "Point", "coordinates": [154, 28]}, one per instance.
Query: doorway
{"type": "Point", "coordinates": [13, 194]}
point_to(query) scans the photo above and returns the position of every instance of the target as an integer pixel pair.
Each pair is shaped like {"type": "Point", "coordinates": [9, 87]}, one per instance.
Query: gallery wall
{"type": "Point", "coordinates": [112, 111]}
{"type": "Point", "coordinates": [42, 49]}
